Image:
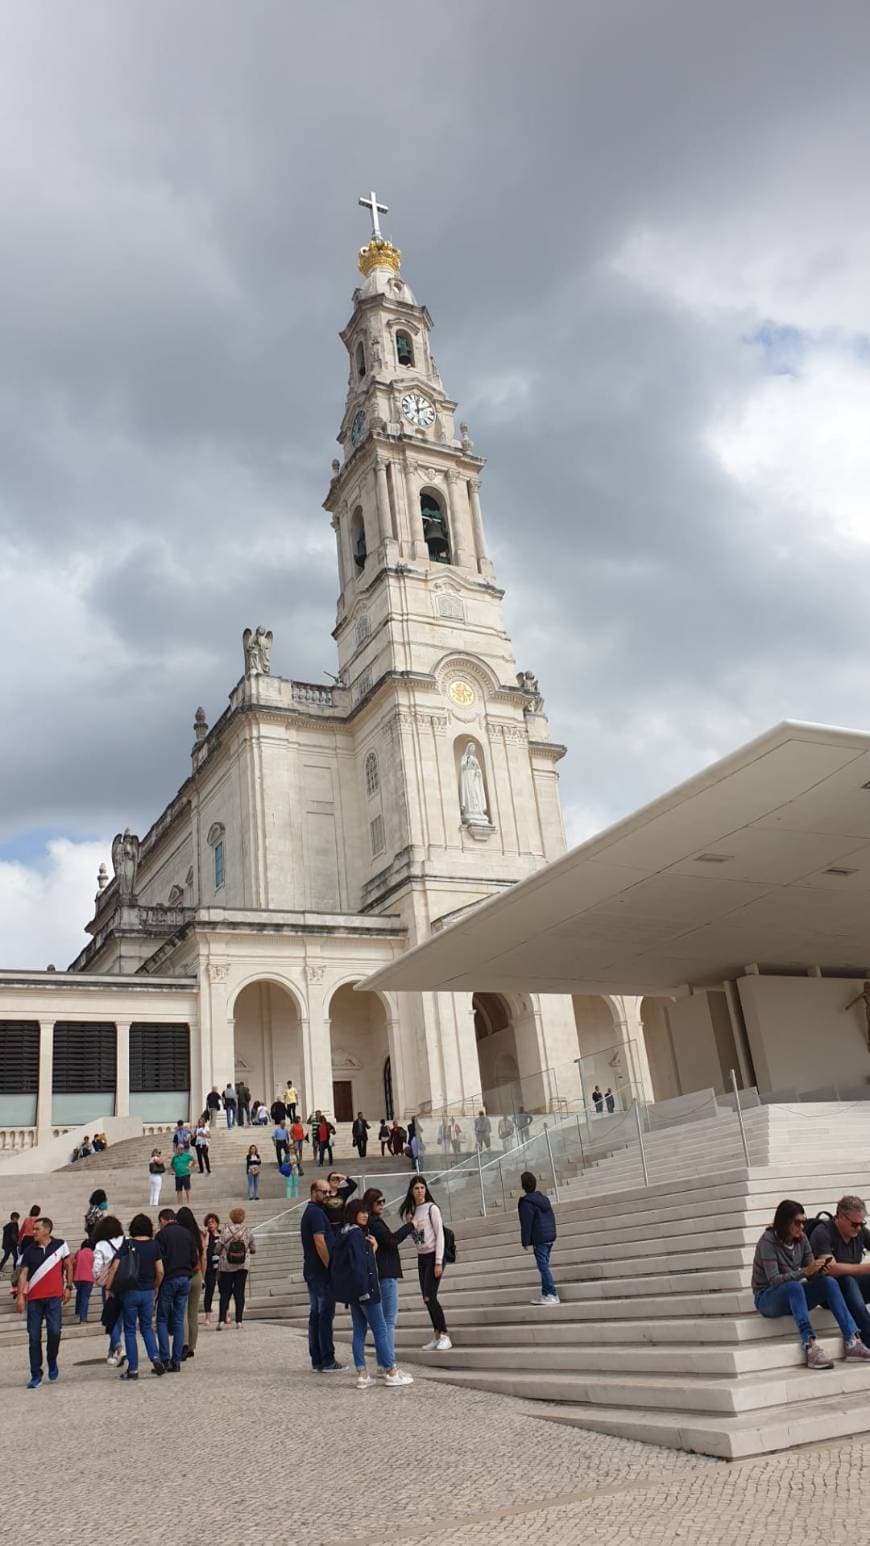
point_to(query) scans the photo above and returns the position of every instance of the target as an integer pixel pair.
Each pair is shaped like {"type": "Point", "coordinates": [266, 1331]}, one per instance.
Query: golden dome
{"type": "Point", "coordinates": [379, 253]}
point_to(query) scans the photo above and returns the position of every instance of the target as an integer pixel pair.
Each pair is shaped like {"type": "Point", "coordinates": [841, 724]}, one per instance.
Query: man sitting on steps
{"type": "Point", "coordinates": [846, 1238]}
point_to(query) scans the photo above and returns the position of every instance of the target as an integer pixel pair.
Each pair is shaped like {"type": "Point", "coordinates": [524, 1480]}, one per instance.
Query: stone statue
{"type": "Point", "coordinates": [200, 725]}
{"type": "Point", "coordinates": [258, 651]}
{"type": "Point", "coordinates": [125, 859]}
{"type": "Point", "coordinates": [467, 442]}
{"type": "Point", "coordinates": [376, 356]}
{"type": "Point", "coordinates": [336, 467]}
{"type": "Point", "coordinates": [862, 997]}
{"type": "Point", "coordinates": [102, 878]}
{"type": "Point", "coordinates": [472, 794]}
{"type": "Point", "coordinates": [529, 684]}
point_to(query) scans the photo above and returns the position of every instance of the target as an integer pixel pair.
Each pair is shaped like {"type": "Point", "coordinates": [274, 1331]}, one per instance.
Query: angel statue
{"type": "Point", "coordinates": [472, 794]}
{"type": "Point", "coordinates": [125, 859]}
{"type": "Point", "coordinates": [258, 651]}
{"type": "Point", "coordinates": [529, 683]}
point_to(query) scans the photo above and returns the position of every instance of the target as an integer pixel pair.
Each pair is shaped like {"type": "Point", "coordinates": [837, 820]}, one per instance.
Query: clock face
{"type": "Point", "coordinates": [418, 409]}
{"type": "Point", "coordinates": [357, 429]}
{"type": "Point", "coordinates": [461, 693]}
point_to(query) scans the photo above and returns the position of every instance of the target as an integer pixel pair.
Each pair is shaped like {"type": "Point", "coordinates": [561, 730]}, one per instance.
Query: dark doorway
{"type": "Point", "coordinates": [342, 1100]}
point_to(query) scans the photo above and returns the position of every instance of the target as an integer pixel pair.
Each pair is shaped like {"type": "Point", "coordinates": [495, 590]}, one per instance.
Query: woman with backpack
{"type": "Point", "coordinates": [435, 1246]}
{"type": "Point", "coordinates": [384, 1136]}
{"type": "Point", "coordinates": [108, 1239]}
{"type": "Point", "coordinates": [98, 1204]}
{"type": "Point", "coordinates": [236, 1245]}
{"type": "Point", "coordinates": [353, 1277]}
{"type": "Point", "coordinates": [185, 1218]}
{"type": "Point", "coordinates": [139, 1265]}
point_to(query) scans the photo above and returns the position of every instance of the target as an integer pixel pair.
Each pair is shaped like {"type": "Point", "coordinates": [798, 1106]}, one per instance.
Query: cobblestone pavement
{"type": "Point", "coordinates": [274, 1452]}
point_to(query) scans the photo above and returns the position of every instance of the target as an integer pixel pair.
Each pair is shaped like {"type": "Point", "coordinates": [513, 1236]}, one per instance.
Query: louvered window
{"type": "Point", "coordinates": [19, 1057]}
{"type": "Point", "coordinates": [84, 1057]}
{"type": "Point", "coordinates": [159, 1058]}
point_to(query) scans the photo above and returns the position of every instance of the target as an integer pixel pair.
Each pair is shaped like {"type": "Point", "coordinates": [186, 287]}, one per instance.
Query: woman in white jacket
{"type": "Point", "coordinates": [108, 1239]}
{"type": "Point", "coordinates": [422, 1211]}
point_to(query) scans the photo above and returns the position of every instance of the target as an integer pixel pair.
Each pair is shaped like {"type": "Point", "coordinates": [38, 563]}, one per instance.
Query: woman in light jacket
{"type": "Point", "coordinates": [422, 1211]}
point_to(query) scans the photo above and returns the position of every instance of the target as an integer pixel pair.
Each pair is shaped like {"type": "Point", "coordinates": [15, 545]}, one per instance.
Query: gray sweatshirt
{"type": "Point", "coordinates": [775, 1262]}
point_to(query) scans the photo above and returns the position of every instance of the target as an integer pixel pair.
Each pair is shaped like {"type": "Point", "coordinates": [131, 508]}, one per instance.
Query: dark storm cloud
{"type": "Point", "coordinates": [177, 244]}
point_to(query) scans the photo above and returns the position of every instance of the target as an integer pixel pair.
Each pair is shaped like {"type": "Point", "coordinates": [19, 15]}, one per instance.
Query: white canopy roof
{"type": "Point", "coordinates": [762, 858]}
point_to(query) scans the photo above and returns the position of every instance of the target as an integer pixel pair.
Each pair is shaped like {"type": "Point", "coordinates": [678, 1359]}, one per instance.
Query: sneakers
{"type": "Point", "coordinates": [157, 1366]}
{"type": "Point", "coordinates": [35, 1383]}
{"type": "Point", "coordinates": [54, 1374]}
{"type": "Point", "coordinates": [364, 1381]}
{"type": "Point", "coordinates": [112, 1359]}
{"type": "Point", "coordinates": [430, 1346]}
{"type": "Point", "coordinates": [854, 1349]}
{"type": "Point", "coordinates": [816, 1359]}
{"type": "Point", "coordinates": [331, 1368]}
{"type": "Point", "coordinates": [444, 1344]}
{"type": "Point", "coordinates": [398, 1379]}
{"type": "Point", "coordinates": [129, 1374]}
{"type": "Point", "coordinates": [546, 1299]}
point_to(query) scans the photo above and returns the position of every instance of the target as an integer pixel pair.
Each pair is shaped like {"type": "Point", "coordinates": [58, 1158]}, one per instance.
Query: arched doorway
{"type": "Point", "coordinates": [604, 1059]}
{"type": "Point", "coordinates": [659, 1049]}
{"type": "Point", "coordinates": [268, 1041]}
{"type": "Point", "coordinates": [497, 1054]}
{"type": "Point", "coordinates": [360, 1053]}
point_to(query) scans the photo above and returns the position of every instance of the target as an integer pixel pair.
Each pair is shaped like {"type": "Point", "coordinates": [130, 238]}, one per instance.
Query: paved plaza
{"type": "Point", "coordinates": [273, 1452]}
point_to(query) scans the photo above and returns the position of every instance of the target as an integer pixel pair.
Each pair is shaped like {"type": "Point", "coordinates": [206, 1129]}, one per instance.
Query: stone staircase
{"type": "Point", "coordinates": [656, 1337]}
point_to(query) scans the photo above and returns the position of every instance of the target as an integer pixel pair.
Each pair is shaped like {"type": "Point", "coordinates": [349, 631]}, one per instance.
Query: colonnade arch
{"type": "Point", "coordinates": [268, 1043]}
{"type": "Point", "coordinates": [364, 1055]}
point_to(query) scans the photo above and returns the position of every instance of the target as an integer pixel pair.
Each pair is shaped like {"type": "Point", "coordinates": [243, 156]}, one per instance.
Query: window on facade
{"type": "Point", "coordinates": [404, 349]}
{"type": "Point", "coordinates": [218, 865]}
{"type": "Point", "coordinates": [83, 1057]}
{"type": "Point", "coordinates": [363, 684]}
{"type": "Point", "coordinates": [376, 828]}
{"type": "Point", "coordinates": [360, 360]}
{"type": "Point", "coordinates": [19, 1057]}
{"type": "Point", "coordinates": [363, 629]}
{"type": "Point", "coordinates": [358, 537]}
{"type": "Point", "coordinates": [373, 777]}
{"type": "Point", "coordinates": [159, 1057]}
{"type": "Point", "coordinates": [434, 528]}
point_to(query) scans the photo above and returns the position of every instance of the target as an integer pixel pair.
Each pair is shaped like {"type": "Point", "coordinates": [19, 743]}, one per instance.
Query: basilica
{"type": "Point", "coordinates": [323, 830]}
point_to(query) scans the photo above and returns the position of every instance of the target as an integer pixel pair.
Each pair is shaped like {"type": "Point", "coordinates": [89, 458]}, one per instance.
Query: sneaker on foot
{"type": "Point", "coordinates": [398, 1378]}
{"type": "Point", "coordinates": [54, 1374]}
{"type": "Point", "coordinates": [854, 1349]}
{"type": "Point", "coordinates": [430, 1346]}
{"type": "Point", "coordinates": [129, 1374]}
{"type": "Point", "coordinates": [552, 1299]}
{"type": "Point", "coordinates": [331, 1368]}
{"type": "Point", "coordinates": [444, 1344]}
{"type": "Point", "coordinates": [816, 1359]}
{"type": "Point", "coordinates": [35, 1383]}
{"type": "Point", "coordinates": [113, 1359]}
{"type": "Point", "coordinates": [120, 1360]}
{"type": "Point", "coordinates": [364, 1381]}
{"type": "Point", "coordinates": [157, 1366]}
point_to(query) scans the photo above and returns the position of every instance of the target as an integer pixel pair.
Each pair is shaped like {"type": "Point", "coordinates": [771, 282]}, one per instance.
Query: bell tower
{"type": "Point", "coordinates": [405, 495]}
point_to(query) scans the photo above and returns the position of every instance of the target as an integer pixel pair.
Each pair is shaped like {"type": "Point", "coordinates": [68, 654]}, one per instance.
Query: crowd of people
{"type": "Point", "coordinates": [88, 1145]}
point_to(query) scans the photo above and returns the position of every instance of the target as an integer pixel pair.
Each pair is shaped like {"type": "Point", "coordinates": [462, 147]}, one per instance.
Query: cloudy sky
{"type": "Point", "coordinates": [643, 232]}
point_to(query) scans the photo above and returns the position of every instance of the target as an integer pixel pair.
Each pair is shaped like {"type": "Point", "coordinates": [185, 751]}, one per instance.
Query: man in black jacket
{"type": "Point", "coordinates": [538, 1232]}
{"type": "Point", "coordinates": [10, 1240]}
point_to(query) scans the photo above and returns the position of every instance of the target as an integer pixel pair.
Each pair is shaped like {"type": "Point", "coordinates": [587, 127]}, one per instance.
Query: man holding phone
{"type": "Point", "coordinates": [844, 1240]}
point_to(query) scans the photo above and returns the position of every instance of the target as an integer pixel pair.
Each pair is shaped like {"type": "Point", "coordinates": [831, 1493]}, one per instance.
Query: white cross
{"type": "Point", "coordinates": [376, 209]}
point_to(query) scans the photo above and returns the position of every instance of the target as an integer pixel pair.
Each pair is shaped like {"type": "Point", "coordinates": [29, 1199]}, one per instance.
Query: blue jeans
{"type": "Point", "coordinates": [139, 1308]}
{"type": "Point", "coordinates": [542, 1257]}
{"type": "Point", "coordinates": [172, 1312]}
{"type": "Point", "coordinates": [797, 1299]}
{"type": "Point", "coordinates": [369, 1313]}
{"type": "Point", "coordinates": [321, 1314]}
{"type": "Point", "coordinates": [83, 1299]}
{"type": "Point", "coordinates": [390, 1307]}
{"type": "Point", "coordinates": [231, 1115]}
{"type": "Point", "coordinates": [49, 1311]}
{"type": "Point", "coordinates": [253, 1186]}
{"type": "Point", "coordinates": [856, 1292]}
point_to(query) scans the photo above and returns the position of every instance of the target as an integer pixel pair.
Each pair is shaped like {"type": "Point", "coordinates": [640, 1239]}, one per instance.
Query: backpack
{"type": "Point", "coordinates": [823, 1217]}
{"type": "Point", "coordinates": [156, 1168]}
{"type": "Point", "coordinates": [127, 1273]}
{"type": "Point", "coordinates": [236, 1252]}
{"type": "Point", "coordinates": [449, 1241]}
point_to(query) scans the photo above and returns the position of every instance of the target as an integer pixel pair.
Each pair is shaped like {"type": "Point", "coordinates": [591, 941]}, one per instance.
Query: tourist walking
{"type": "Point", "coordinates": [211, 1251]}
{"type": "Point", "coordinates": [213, 1104]}
{"type": "Point", "coordinates": [384, 1136]}
{"type": "Point", "coordinates": [598, 1100]}
{"type": "Point", "coordinates": [200, 1142]}
{"type": "Point", "coordinates": [281, 1140]}
{"type": "Point", "coordinates": [182, 1165]}
{"type": "Point", "coordinates": [788, 1280]}
{"type": "Point", "coordinates": [421, 1210]}
{"type": "Point", "coordinates": [237, 1244]}
{"type": "Point", "coordinates": [107, 1241]}
{"type": "Point", "coordinates": [316, 1232]}
{"type": "Point", "coordinates": [230, 1100]}
{"type": "Point", "coordinates": [359, 1135]}
{"type": "Point", "coordinates": [389, 1262]}
{"type": "Point", "coordinates": [253, 1165]}
{"type": "Point", "coordinates": [609, 1099]}
{"type": "Point", "coordinates": [289, 1169]}
{"type": "Point", "coordinates": [538, 1233]}
{"type": "Point", "coordinates": [10, 1240]}
{"type": "Point", "coordinates": [482, 1131]}
{"type": "Point", "coordinates": [185, 1218]}
{"type": "Point", "coordinates": [506, 1132]}
{"type": "Point", "coordinates": [137, 1301]}
{"type": "Point", "coordinates": [181, 1259]}
{"type": "Point", "coordinates": [297, 1138]}
{"type": "Point", "coordinates": [83, 1280]}
{"type": "Point", "coordinates": [353, 1277]}
{"type": "Point", "coordinates": [156, 1172]}
{"type": "Point", "coordinates": [398, 1138]}
{"type": "Point", "coordinates": [325, 1135]}
{"type": "Point", "coordinates": [44, 1286]}
{"type": "Point", "coordinates": [313, 1125]}
{"type": "Point", "coordinates": [244, 1102]}
{"type": "Point", "coordinates": [98, 1205]}
{"type": "Point", "coordinates": [291, 1099]}
{"type": "Point", "coordinates": [523, 1122]}
{"type": "Point", "coordinates": [278, 1111]}
{"type": "Point", "coordinates": [181, 1134]}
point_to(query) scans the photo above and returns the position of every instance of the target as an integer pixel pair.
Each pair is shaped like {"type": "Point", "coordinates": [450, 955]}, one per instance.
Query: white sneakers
{"type": "Point", "coordinates": [430, 1346]}
{"type": "Point", "coordinates": [546, 1299]}
{"type": "Point", "coordinates": [365, 1381]}
{"type": "Point", "coordinates": [117, 1359]}
{"type": "Point", "coordinates": [440, 1344]}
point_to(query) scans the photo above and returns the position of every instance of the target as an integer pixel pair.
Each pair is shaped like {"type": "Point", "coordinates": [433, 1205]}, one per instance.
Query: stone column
{"type": "Point", "coordinates": [462, 548]}
{"type": "Point", "coordinates": [629, 1025]}
{"type": "Point", "coordinates": [122, 1069]}
{"type": "Point", "coordinates": [336, 526]}
{"type": "Point", "coordinates": [46, 1071]}
{"type": "Point", "coordinates": [415, 519]}
{"type": "Point", "coordinates": [483, 562]}
{"type": "Point", "coordinates": [383, 499]}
